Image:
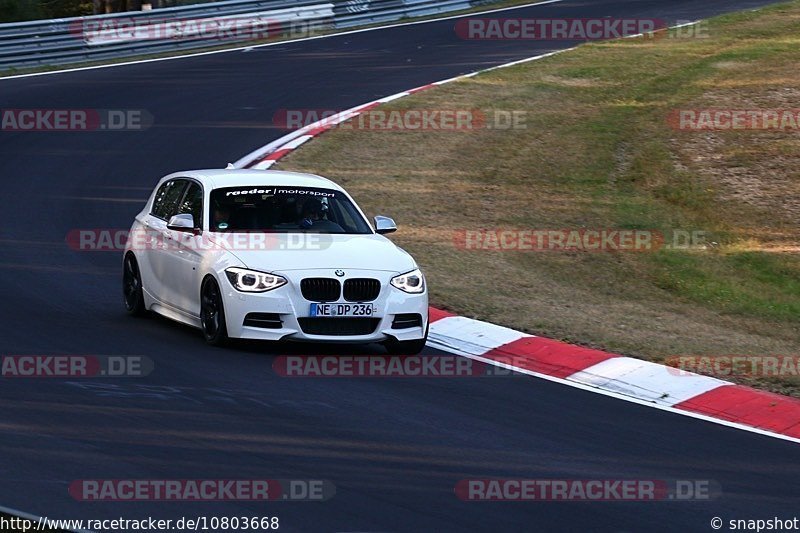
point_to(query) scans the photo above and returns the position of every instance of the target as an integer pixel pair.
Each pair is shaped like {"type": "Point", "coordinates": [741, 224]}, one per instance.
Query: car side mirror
{"type": "Point", "coordinates": [183, 222]}
{"type": "Point", "coordinates": [384, 225]}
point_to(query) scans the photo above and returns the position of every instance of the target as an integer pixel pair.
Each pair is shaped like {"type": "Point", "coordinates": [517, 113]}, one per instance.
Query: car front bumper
{"type": "Point", "coordinates": [289, 305]}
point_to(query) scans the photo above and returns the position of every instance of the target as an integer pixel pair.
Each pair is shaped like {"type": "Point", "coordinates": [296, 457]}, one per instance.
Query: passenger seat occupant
{"type": "Point", "coordinates": [221, 215]}
{"type": "Point", "coordinates": [314, 217]}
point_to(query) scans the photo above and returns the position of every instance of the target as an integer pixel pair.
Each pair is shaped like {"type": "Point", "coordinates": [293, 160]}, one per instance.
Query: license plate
{"type": "Point", "coordinates": [342, 310]}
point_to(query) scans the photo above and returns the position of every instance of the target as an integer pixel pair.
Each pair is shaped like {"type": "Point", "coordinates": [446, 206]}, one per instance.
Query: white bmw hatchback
{"type": "Point", "coordinates": [272, 255]}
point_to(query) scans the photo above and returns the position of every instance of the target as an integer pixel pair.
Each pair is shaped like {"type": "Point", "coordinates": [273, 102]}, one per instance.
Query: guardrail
{"type": "Point", "coordinates": [66, 41]}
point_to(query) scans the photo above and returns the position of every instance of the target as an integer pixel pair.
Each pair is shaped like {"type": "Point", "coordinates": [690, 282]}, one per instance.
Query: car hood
{"type": "Point", "coordinates": [275, 252]}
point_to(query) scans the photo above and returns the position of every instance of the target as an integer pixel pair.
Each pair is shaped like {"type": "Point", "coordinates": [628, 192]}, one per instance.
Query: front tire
{"type": "Point", "coordinates": [212, 313]}
{"type": "Point", "coordinates": [396, 347]}
{"type": "Point", "coordinates": [132, 287]}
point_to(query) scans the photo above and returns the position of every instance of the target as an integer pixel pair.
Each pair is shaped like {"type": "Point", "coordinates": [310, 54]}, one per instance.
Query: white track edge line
{"type": "Point", "coordinates": [288, 41]}
{"type": "Point", "coordinates": [281, 142]}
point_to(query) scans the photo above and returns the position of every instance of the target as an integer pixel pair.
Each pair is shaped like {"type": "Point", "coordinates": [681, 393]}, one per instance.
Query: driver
{"type": "Point", "coordinates": [315, 214]}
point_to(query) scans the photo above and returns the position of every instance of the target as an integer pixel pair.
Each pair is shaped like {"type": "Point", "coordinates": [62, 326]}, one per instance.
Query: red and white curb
{"type": "Point", "coordinates": [622, 377]}
{"type": "Point", "coordinates": [626, 378]}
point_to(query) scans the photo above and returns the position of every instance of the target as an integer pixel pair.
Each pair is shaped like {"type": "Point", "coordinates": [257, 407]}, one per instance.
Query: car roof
{"type": "Point", "coordinates": [219, 178]}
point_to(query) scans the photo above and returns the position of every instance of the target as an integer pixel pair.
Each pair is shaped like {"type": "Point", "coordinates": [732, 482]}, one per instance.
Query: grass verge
{"type": "Point", "coordinates": [598, 151]}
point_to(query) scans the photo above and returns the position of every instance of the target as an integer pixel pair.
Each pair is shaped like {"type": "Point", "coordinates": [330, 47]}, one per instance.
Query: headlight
{"type": "Point", "coordinates": [253, 281]}
{"type": "Point", "coordinates": [411, 282]}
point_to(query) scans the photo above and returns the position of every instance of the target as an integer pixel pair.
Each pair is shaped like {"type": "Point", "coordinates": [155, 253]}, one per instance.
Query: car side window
{"type": "Point", "coordinates": [192, 203]}
{"type": "Point", "coordinates": [167, 198]}
{"type": "Point", "coordinates": [343, 218]}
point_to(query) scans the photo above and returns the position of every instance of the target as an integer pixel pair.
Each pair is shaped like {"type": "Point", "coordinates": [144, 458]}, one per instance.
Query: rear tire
{"type": "Point", "coordinates": [132, 287]}
{"type": "Point", "coordinates": [212, 313]}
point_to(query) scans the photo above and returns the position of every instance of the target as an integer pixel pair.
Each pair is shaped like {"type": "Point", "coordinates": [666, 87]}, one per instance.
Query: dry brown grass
{"type": "Point", "coordinates": [597, 153]}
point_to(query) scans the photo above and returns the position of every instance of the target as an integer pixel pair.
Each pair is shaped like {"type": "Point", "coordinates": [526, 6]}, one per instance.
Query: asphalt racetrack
{"type": "Point", "coordinates": [394, 448]}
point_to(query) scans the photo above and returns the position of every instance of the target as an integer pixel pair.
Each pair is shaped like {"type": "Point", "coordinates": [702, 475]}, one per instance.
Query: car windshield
{"type": "Point", "coordinates": [284, 209]}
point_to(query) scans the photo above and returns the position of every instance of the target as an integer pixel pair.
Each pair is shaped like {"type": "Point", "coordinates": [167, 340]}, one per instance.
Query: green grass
{"type": "Point", "coordinates": [750, 284]}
